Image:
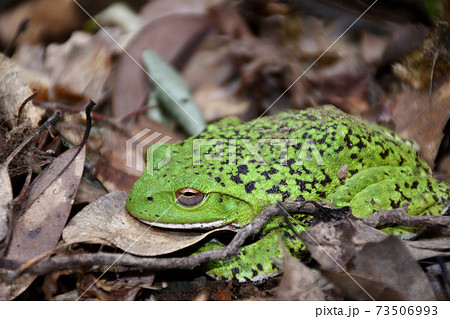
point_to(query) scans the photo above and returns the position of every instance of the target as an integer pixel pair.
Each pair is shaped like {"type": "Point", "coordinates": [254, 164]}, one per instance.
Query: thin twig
{"type": "Point", "coordinates": [53, 118]}
{"type": "Point", "coordinates": [58, 262]}
{"type": "Point", "coordinates": [400, 217]}
{"type": "Point", "coordinates": [106, 259]}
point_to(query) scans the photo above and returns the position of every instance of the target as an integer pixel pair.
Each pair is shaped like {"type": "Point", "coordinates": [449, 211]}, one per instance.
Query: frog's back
{"type": "Point", "coordinates": [302, 153]}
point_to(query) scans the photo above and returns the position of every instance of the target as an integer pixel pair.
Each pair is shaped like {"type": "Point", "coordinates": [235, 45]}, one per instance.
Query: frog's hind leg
{"type": "Point", "coordinates": [385, 188]}
{"type": "Point", "coordinates": [257, 261]}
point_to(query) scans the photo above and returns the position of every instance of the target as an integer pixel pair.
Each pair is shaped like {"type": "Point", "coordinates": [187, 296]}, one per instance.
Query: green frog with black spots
{"type": "Point", "coordinates": [232, 171]}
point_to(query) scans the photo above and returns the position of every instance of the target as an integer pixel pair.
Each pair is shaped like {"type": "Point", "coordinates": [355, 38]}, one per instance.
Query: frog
{"type": "Point", "coordinates": [228, 174]}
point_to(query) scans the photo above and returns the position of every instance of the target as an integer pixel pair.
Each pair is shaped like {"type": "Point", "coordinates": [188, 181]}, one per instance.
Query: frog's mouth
{"type": "Point", "coordinates": [191, 226]}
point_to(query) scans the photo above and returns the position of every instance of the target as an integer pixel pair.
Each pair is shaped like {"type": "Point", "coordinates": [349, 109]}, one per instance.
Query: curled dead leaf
{"type": "Point", "coordinates": [39, 228]}
{"type": "Point", "coordinates": [106, 221]}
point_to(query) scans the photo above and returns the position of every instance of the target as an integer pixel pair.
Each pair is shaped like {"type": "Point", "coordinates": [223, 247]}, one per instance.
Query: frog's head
{"type": "Point", "coordinates": [179, 194]}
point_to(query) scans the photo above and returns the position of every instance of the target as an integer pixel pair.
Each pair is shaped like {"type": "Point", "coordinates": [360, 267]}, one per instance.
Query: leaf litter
{"type": "Point", "coordinates": [238, 65]}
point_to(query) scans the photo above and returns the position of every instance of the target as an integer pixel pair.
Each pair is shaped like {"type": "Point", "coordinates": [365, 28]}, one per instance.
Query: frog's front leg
{"type": "Point", "coordinates": [259, 260]}
{"type": "Point", "coordinates": [385, 188]}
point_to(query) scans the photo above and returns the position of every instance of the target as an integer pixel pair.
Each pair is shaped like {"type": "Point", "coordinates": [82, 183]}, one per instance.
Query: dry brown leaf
{"type": "Point", "coordinates": [88, 193]}
{"type": "Point", "coordinates": [390, 272]}
{"type": "Point", "coordinates": [349, 286]}
{"type": "Point", "coordinates": [106, 147]}
{"type": "Point", "coordinates": [6, 196]}
{"type": "Point", "coordinates": [299, 282]}
{"type": "Point", "coordinates": [111, 168]}
{"type": "Point", "coordinates": [167, 36]}
{"type": "Point", "coordinates": [429, 63]}
{"type": "Point", "coordinates": [107, 222]}
{"type": "Point", "coordinates": [422, 118]}
{"type": "Point", "coordinates": [112, 173]}
{"type": "Point", "coordinates": [159, 8]}
{"type": "Point", "coordinates": [215, 103]}
{"type": "Point", "coordinates": [340, 239]}
{"type": "Point", "coordinates": [210, 64]}
{"type": "Point", "coordinates": [381, 264]}
{"type": "Point", "coordinates": [13, 92]}
{"type": "Point", "coordinates": [39, 228]}
{"type": "Point", "coordinates": [373, 47]}
{"type": "Point", "coordinates": [428, 248]}
{"type": "Point", "coordinates": [124, 288]}
{"type": "Point", "coordinates": [80, 66]}
{"type": "Point", "coordinates": [49, 19]}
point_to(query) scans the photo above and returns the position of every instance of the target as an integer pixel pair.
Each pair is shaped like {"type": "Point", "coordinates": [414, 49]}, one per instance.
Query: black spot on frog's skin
{"type": "Point", "coordinates": [254, 273]}
{"type": "Point", "coordinates": [402, 160]}
{"type": "Point", "coordinates": [150, 199]}
{"type": "Point", "coordinates": [384, 154]}
{"type": "Point", "coordinates": [347, 140]}
{"type": "Point", "coordinates": [285, 196]}
{"type": "Point", "coordinates": [406, 184]}
{"type": "Point", "coordinates": [218, 179]}
{"type": "Point", "coordinates": [302, 185]}
{"type": "Point", "coordinates": [321, 194]}
{"type": "Point", "coordinates": [242, 169]}
{"type": "Point", "coordinates": [353, 156]}
{"type": "Point", "coordinates": [394, 204]}
{"type": "Point", "coordinates": [327, 179]}
{"type": "Point", "coordinates": [266, 174]}
{"type": "Point", "coordinates": [436, 199]}
{"type": "Point", "coordinates": [283, 182]}
{"type": "Point", "coordinates": [290, 161]}
{"type": "Point", "coordinates": [353, 171]}
{"type": "Point", "coordinates": [220, 200]}
{"type": "Point", "coordinates": [273, 171]}
{"type": "Point", "coordinates": [322, 140]}
{"type": "Point", "coordinates": [273, 190]}
{"type": "Point", "coordinates": [288, 235]}
{"type": "Point", "coordinates": [250, 187]}
{"type": "Point", "coordinates": [220, 169]}
{"type": "Point", "coordinates": [429, 186]}
{"type": "Point", "coordinates": [259, 266]}
{"type": "Point", "coordinates": [361, 144]}
{"type": "Point", "coordinates": [339, 149]}
{"type": "Point", "coordinates": [236, 179]}
{"type": "Point", "coordinates": [223, 184]}
{"type": "Point", "coordinates": [235, 270]}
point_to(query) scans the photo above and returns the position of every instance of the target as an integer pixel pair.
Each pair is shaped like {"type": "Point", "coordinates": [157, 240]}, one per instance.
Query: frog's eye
{"type": "Point", "coordinates": [189, 196]}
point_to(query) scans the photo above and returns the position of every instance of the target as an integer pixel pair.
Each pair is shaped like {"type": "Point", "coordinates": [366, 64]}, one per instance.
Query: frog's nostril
{"type": "Point", "coordinates": [150, 199]}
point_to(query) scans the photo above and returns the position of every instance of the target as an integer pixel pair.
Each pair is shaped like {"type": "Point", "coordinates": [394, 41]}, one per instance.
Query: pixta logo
{"type": "Point", "coordinates": [149, 141]}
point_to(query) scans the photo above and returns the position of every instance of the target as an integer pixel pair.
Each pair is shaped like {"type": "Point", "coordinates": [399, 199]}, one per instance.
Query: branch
{"type": "Point", "coordinates": [399, 217]}
{"type": "Point", "coordinates": [60, 262]}
{"type": "Point", "coordinates": [45, 266]}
